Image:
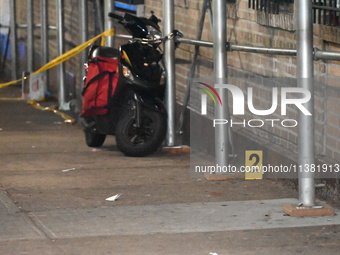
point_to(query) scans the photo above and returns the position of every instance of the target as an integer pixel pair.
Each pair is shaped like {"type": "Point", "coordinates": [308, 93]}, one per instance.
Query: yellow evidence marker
{"type": "Point", "coordinates": [253, 165]}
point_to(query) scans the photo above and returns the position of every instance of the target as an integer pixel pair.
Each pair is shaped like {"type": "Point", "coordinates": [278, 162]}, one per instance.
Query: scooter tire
{"type": "Point", "coordinates": [94, 139]}
{"type": "Point", "coordinates": [142, 141]}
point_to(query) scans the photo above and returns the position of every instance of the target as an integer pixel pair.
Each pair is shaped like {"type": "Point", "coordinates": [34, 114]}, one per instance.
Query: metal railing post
{"type": "Point", "coordinates": [99, 15]}
{"type": "Point", "coordinates": [83, 7]}
{"type": "Point", "coordinates": [44, 36]}
{"type": "Point", "coordinates": [221, 112]}
{"type": "Point", "coordinates": [30, 41]}
{"type": "Point", "coordinates": [169, 61]}
{"type": "Point", "coordinates": [13, 38]}
{"type": "Point", "coordinates": [305, 75]}
{"type": "Point", "coordinates": [109, 22]}
{"type": "Point", "coordinates": [61, 67]}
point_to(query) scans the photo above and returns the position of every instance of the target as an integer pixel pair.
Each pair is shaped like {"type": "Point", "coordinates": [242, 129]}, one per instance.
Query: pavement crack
{"type": "Point", "coordinates": [35, 220]}
{"type": "Point", "coordinates": [13, 208]}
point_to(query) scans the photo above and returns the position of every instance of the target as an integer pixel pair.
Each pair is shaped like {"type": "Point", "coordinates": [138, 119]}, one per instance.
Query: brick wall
{"type": "Point", "coordinates": [249, 27]}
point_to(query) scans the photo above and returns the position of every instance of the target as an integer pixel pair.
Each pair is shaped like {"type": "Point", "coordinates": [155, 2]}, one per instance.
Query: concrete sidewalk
{"type": "Point", "coordinates": [54, 189]}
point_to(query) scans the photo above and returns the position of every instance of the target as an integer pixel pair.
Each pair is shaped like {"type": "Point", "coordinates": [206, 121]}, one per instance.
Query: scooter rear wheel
{"type": "Point", "coordinates": [94, 139]}
{"type": "Point", "coordinates": [140, 141]}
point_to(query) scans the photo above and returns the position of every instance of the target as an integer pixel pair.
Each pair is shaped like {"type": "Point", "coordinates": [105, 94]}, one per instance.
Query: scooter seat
{"type": "Point", "coordinates": [106, 52]}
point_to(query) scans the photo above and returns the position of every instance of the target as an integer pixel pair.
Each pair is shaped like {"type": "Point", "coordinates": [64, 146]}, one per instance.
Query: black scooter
{"type": "Point", "coordinates": [136, 114]}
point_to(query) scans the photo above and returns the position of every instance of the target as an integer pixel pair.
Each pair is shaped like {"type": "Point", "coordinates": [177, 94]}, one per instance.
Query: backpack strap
{"type": "Point", "coordinates": [109, 94]}
{"type": "Point", "coordinates": [96, 78]}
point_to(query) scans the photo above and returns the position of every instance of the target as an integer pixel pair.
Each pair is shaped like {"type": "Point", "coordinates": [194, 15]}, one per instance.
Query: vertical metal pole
{"type": "Point", "coordinates": [305, 74]}
{"type": "Point", "coordinates": [61, 66]}
{"type": "Point", "coordinates": [6, 49]}
{"type": "Point", "coordinates": [109, 23]}
{"type": "Point", "coordinates": [99, 15]}
{"type": "Point", "coordinates": [83, 7]}
{"type": "Point", "coordinates": [193, 65]}
{"type": "Point", "coordinates": [169, 61]}
{"type": "Point", "coordinates": [219, 31]}
{"type": "Point", "coordinates": [13, 38]}
{"type": "Point", "coordinates": [30, 30]}
{"type": "Point", "coordinates": [44, 36]}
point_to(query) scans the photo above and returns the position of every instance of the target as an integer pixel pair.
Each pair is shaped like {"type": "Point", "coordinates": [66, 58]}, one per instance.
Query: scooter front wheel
{"type": "Point", "coordinates": [140, 141]}
{"type": "Point", "coordinates": [94, 139]}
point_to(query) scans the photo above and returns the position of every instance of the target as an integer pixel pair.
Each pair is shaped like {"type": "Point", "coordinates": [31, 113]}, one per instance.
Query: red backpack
{"type": "Point", "coordinates": [100, 85]}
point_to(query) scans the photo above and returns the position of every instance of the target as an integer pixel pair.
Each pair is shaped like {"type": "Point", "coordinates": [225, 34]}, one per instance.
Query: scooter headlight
{"type": "Point", "coordinates": [127, 73]}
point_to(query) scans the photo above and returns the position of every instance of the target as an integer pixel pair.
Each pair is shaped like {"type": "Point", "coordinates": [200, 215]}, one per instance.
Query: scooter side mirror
{"type": "Point", "coordinates": [154, 19]}
{"type": "Point", "coordinates": [177, 33]}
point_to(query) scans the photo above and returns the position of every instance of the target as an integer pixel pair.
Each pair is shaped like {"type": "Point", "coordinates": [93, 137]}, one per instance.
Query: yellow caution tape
{"type": "Point", "coordinates": [67, 55]}
{"type": "Point", "coordinates": [11, 98]}
{"type": "Point", "coordinates": [2, 85]}
{"type": "Point", "coordinates": [67, 118]}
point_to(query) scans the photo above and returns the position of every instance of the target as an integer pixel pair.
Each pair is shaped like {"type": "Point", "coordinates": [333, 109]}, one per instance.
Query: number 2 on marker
{"type": "Point", "coordinates": [253, 164]}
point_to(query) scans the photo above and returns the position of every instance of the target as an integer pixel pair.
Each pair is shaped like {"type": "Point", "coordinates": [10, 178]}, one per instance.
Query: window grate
{"type": "Point", "coordinates": [270, 6]}
{"type": "Point", "coordinates": [326, 12]}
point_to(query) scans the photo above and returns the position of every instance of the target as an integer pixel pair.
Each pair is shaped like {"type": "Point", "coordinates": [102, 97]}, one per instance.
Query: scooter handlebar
{"type": "Point", "coordinates": [115, 16]}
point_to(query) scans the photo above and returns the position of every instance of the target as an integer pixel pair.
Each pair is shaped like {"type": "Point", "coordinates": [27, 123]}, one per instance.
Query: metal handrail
{"type": "Point", "coordinates": [318, 54]}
